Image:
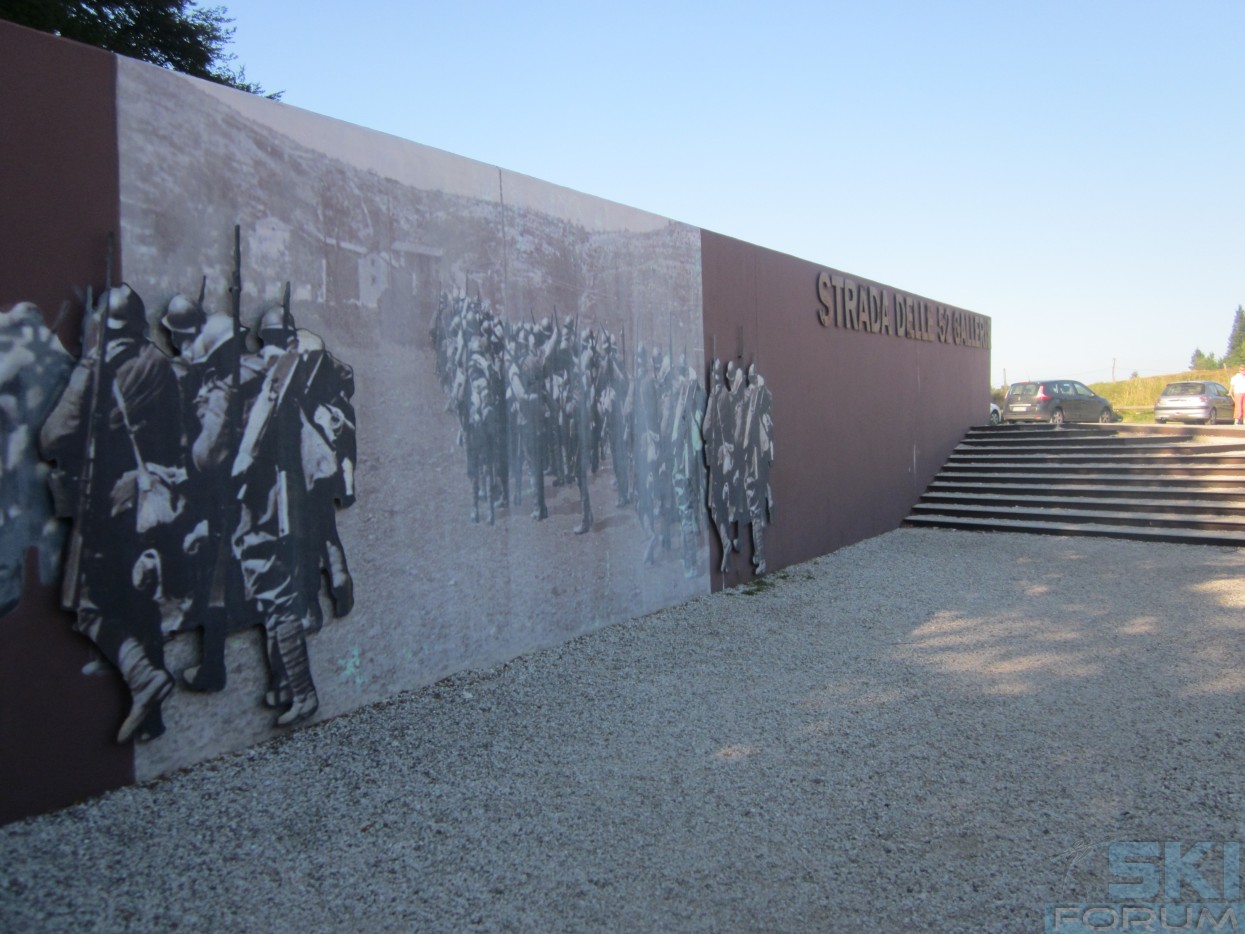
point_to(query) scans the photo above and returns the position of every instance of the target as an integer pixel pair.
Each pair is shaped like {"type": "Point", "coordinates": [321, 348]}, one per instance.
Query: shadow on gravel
{"type": "Point", "coordinates": [1002, 731]}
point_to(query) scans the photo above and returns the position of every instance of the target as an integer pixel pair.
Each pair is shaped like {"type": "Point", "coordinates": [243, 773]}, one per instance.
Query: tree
{"type": "Point", "coordinates": [1235, 354]}
{"type": "Point", "coordinates": [174, 34]}
{"type": "Point", "coordinates": [1203, 361]}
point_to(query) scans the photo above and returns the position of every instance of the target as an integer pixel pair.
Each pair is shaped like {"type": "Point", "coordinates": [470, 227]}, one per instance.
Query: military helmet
{"type": "Point", "coordinates": [276, 325]}
{"type": "Point", "coordinates": [183, 316]}
{"type": "Point", "coordinates": [125, 310]}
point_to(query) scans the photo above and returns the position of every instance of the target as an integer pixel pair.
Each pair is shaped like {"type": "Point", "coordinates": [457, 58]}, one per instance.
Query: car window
{"type": "Point", "coordinates": [1065, 389]}
{"type": "Point", "coordinates": [1023, 389]}
{"type": "Point", "coordinates": [1220, 390]}
{"type": "Point", "coordinates": [1083, 390]}
{"type": "Point", "coordinates": [1183, 389]}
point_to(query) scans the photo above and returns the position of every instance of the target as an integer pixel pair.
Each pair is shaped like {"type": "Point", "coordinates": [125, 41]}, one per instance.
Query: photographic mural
{"type": "Point", "coordinates": [539, 451]}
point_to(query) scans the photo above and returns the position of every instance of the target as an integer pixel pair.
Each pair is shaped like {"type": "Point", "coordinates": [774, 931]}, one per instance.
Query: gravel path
{"type": "Point", "coordinates": [927, 731]}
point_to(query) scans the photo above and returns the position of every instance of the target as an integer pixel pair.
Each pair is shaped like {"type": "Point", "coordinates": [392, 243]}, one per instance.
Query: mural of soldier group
{"type": "Point", "coordinates": [551, 398]}
{"type": "Point", "coordinates": [201, 487]}
{"type": "Point", "coordinates": [200, 469]}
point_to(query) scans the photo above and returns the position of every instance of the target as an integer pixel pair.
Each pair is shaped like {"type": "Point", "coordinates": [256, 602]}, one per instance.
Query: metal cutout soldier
{"type": "Point", "coordinates": [271, 540]}
{"type": "Point", "coordinates": [757, 436]}
{"type": "Point", "coordinates": [217, 604]}
{"type": "Point", "coordinates": [115, 438]}
{"type": "Point", "coordinates": [718, 432]}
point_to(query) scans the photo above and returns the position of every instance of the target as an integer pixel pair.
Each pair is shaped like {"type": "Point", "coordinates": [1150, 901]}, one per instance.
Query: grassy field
{"type": "Point", "coordinates": [1134, 398]}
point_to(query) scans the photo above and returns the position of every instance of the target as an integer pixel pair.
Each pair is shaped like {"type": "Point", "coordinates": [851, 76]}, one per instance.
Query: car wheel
{"type": "Point", "coordinates": [995, 418]}
{"type": "Point", "coordinates": [1212, 417]}
{"type": "Point", "coordinates": [1105, 417]}
{"type": "Point", "coordinates": [1056, 418]}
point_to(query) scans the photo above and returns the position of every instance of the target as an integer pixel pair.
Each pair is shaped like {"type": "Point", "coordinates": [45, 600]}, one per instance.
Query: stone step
{"type": "Point", "coordinates": [1128, 448]}
{"type": "Point", "coordinates": [1232, 507]}
{"type": "Point", "coordinates": [1088, 442]}
{"type": "Point", "coordinates": [1096, 530]}
{"type": "Point", "coordinates": [1108, 461]}
{"type": "Point", "coordinates": [1077, 490]}
{"type": "Point", "coordinates": [1124, 517]}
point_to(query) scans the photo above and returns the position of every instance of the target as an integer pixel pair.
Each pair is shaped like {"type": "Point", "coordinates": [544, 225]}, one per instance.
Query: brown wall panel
{"type": "Point", "coordinates": [59, 166]}
{"type": "Point", "coordinates": [862, 421]}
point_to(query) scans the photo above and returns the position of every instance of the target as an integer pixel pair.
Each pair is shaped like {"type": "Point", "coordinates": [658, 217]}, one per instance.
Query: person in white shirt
{"type": "Point", "coordinates": [1238, 396]}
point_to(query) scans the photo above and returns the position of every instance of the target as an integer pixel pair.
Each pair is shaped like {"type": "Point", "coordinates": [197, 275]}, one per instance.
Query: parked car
{"type": "Point", "coordinates": [996, 414]}
{"type": "Point", "coordinates": [1055, 401]}
{"type": "Point", "coordinates": [1195, 401]}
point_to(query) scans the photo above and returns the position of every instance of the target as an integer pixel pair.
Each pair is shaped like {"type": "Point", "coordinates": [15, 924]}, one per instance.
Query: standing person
{"type": "Point", "coordinates": [216, 605]}
{"type": "Point", "coordinates": [756, 434]}
{"type": "Point", "coordinates": [646, 441]}
{"type": "Point", "coordinates": [269, 534]}
{"type": "Point", "coordinates": [115, 436]}
{"type": "Point", "coordinates": [686, 459]}
{"type": "Point", "coordinates": [581, 406]}
{"type": "Point", "coordinates": [1238, 396]}
{"type": "Point", "coordinates": [718, 431]}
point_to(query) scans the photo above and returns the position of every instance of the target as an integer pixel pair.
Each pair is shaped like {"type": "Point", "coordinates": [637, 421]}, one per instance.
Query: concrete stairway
{"type": "Point", "coordinates": [1167, 483]}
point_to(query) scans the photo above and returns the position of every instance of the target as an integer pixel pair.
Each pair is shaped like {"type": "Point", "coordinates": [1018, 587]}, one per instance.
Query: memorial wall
{"type": "Point", "coordinates": [299, 415]}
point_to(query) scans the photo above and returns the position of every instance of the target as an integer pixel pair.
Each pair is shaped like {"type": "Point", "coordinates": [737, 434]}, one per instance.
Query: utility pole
{"type": "Point", "coordinates": [1113, 369]}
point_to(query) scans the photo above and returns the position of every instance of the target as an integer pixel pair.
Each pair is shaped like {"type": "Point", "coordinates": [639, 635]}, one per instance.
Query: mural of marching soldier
{"type": "Point", "coordinates": [115, 437]}
{"type": "Point", "coordinates": [687, 466]}
{"type": "Point", "coordinates": [546, 399]}
{"type": "Point", "coordinates": [33, 370]}
{"type": "Point", "coordinates": [757, 442]}
{"type": "Point", "coordinates": [718, 432]}
{"type": "Point", "coordinates": [738, 434]}
{"type": "Point", "coordinates": [202, 490]}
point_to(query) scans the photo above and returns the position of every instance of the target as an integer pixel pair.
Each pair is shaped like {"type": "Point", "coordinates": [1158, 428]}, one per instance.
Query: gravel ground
{"type": "Point", "coordinates": [928, 731]}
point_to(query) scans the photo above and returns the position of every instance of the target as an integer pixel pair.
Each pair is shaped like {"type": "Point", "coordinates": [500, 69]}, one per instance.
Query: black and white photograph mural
{"type": "Point", "coordinates": [201, 487]}
{"type": "Point", "coordinates": [527, 367]}
{"type": "Point", "coordinates": [33, 369]}
{"type": "Point", "coordinates": [552, 402]}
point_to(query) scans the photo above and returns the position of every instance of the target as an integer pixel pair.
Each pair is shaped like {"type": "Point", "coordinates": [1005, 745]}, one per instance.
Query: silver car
{"type": "Point", "coordinates": [1195, 401]}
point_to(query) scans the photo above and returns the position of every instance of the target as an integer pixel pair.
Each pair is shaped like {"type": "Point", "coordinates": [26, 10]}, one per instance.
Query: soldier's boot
{"type": "Point", "coordinates": [341, 584]}
{"type": "Point", "coordinates": [541, 512]}
{"type": "Point", "coordinates": [724, 534]}
{"type": "Point", "coordinates": [758, 547]}
{"type": "Point", "coordinates": [650, 550]}
{"type": "Point", "coordinates": [689, 556]}
{"type": "Point", "coordinates": [209, 674]}
{"type": "Point", "coordinates": [278, 693]}
{"type": "Point", "coordinates": [292, 645]}
{"type": "Point", "coordinates": [585, 524]}
{"type": "Point", "coordinates": [148, 685]}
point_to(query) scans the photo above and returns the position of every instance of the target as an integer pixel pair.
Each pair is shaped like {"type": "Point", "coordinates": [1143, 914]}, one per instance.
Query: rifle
{"type": "Point", "coordinates": [71, 583]}
{"type": "Point", "coordinates": [235, 298]}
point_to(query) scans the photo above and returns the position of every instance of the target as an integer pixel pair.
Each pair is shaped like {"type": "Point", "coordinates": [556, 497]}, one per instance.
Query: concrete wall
{"type": "Point", "coordinates": [373, 235]}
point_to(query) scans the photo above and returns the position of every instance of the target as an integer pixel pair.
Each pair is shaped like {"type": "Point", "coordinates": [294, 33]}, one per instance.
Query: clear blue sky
{"type": "Point", "coordinates": [1075, 170]}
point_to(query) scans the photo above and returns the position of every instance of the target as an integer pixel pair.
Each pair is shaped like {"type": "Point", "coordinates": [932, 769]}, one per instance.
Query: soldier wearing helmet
{"type": "Point", "coordinates": [115, 436]}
